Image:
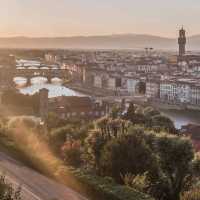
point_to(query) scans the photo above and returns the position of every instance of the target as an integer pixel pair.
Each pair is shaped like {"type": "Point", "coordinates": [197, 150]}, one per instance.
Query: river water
{"type": "Point", "coordinates": [37, 83]}
{"type": "Point", "coordinates": [179, 118]}
{"type": "Point", "coordinates": [55, 89]}
{"type": "Point", "coordinates": [183, 117]}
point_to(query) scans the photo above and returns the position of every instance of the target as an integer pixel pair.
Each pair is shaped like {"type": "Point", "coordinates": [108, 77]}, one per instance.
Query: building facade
{"type": "Point", "coordinates": [195, 94]}
{"type": "Point", "coordinates": [152, 89]}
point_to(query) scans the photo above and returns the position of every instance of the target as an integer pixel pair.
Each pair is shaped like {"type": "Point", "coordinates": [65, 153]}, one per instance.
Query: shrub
{"type": "Point", "coordinates": [71, 152]}
{"type": "Point", "coordinates": [7, 192]}
{"type": "Point", "coordinates": [193, 194]}
{"type": "Point", "coordinates": [107, 190]}
{"type": "Point", "coordinates": [127, 154]}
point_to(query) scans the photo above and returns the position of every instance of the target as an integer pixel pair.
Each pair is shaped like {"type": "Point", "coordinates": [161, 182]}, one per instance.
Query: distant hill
{"type": "Point", "coordinates": [123, 41]}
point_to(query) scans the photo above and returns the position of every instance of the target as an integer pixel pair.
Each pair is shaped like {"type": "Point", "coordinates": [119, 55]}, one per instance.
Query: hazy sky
{"type": "Point", "coordinates": [95, 17]}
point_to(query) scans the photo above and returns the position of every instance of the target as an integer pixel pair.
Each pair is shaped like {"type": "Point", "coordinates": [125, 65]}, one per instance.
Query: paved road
{"type": "Point", "coordinates": [34, 185]}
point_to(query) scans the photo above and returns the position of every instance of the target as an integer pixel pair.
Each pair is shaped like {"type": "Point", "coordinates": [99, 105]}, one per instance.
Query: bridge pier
{"type": "Point", "coordinates": [49, 79]}
{"type": "Point", "coordinates": [28, 82]}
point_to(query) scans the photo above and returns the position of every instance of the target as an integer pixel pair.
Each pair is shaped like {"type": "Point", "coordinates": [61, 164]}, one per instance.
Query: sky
{"type": "Point", "coordinates": [54, 18]}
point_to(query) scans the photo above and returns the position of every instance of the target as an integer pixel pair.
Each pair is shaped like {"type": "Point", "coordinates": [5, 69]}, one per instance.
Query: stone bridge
{"type": "Point", "coordinates": [7, 74]}
{"type": "Point", "coordinates": [47, 73]}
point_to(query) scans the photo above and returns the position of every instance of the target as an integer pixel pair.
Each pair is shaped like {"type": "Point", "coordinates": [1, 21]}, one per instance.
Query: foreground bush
{"type": "Point", "coordinates": [106, 188]}
{"type": "Point", "coordinates": [71, 153]}
{"type": "Point", "coordinates": [7, 192]}
{"type": "Point", "coordinates": [169, 160]}
{"type": "Point", "coordinates": [191, 195]}
{"type": "Point", "coordinates": [127, 154]}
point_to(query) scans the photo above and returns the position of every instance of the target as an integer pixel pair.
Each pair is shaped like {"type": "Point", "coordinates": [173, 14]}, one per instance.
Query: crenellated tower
{"type": "Point", "coordinates": [182, 42]}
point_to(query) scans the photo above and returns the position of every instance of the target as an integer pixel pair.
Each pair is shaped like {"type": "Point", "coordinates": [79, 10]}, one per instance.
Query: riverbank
{"type": "Point", "coordinates": [182, 117]}
{"type": "Point", "coordinates": [92, 91]}
{"type": "Point", "coordinates": [179, 114]}
{"type": "Point", "coordinates": [157, 103]}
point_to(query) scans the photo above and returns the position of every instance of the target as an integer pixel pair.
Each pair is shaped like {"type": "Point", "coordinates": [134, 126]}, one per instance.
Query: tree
{"type": "Point", "coordinates": [71, 153]}
{"type": "Point", "coordinates": [175, 156]}
{"type": "Point", "coordinates": [138, 182]}
{"type": "Point", "coordinates": [112, 127]}
{"type": "Point", "coordinates": [58, 137]}
{"type": "Point", "coordinates": [133, 116]}
{"type": "Point", "coordinates": [103, 125]}
{"type": "Point", "coordinates": [164, 123]}
{"type": "Point", "coordinates": [115, 127]}
{"type": "Point", "coordinates": [176, 167]}
{"type": "Point", "coordinates": [7, 192]}
{"type": "Point", "coordinates": [115, 112]}
{"type": "Point", "coordinates": [130, 112]}
{"type": "Point", "coordinates": [126, 154]}
{"type": "Point", "coordinates": [53, 121]}
{"type": "Point", "coordinates": [94, 144]}
{"type": "Point", "coordinates": [150, 112]}
{"type": "Point", "coordinates": [193, 194]}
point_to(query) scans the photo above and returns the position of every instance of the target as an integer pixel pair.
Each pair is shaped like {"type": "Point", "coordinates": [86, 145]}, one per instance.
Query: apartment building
{"type": "Point", "coordinates": [195, 94]}
{"type": "Point", "coordinates": [152, 88]}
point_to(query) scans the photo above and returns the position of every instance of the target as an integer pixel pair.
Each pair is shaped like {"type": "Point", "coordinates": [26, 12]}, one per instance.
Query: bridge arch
{"type": "Point", "coordinates": [8, 75]}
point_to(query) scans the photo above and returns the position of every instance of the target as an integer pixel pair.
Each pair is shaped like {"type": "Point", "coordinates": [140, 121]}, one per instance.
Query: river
{"type": "Point", "coordinates": [179, 118]}
{"type": "Point", "coordinates": [55, 89]}
{"type": "Point", "coordinates": [182, 117]}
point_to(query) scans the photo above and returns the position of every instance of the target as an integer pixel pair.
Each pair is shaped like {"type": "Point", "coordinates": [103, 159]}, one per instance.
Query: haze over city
{"type": "Point", "coordinates": [99, 100]}
{"type": "Point", "coordinates": [50, 18]}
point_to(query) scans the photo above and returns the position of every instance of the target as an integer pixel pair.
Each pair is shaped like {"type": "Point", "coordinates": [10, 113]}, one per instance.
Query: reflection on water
{"type": "Point", "coordinates": [37, 83]}
{"type": "Point", "coordinates": [55, 89]}
{"type": "Point", "coordinates": [20, 81]}
{"type": "Point", "coordinates": [181, 118]}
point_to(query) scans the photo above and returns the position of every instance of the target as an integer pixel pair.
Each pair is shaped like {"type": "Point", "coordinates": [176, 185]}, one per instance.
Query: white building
{"type": "Point", "coordinates": [183, 92]}
{"type": "Point", "coordinates": [112, 83]}
{"type": "Point", "coordinates": [152, 89]}
{"type": "Point", "coordinates": [131, 85]}
{"type": "Point", "coordinates": [147, 68]}
{"type": "Point", "coordinates": [178, 91]}
{"type": "Point", "coordinates": [195, 94]}
{"type": "Point", "coordinates": [98, 81]}
{"type": "Point", "coordinates": [168, 91]}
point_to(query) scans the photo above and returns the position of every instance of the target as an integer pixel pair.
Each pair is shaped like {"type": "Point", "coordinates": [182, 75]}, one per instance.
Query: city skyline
{"type": "Point", "coordinates": [33, 18]}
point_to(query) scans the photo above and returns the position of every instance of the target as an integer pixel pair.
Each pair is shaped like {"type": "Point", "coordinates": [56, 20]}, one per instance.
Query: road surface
{"type": "Point", "coordinates": [34, 185]}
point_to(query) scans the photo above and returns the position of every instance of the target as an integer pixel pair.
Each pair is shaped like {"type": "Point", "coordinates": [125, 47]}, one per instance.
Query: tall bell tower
{"type": "Point", "coordinates": [182, 42]}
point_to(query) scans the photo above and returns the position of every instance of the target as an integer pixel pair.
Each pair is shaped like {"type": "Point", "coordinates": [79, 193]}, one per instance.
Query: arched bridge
{"type": "Point", "coordinates": [49, 73]}
{"type": "Point", "coordinates": [7, 74]}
